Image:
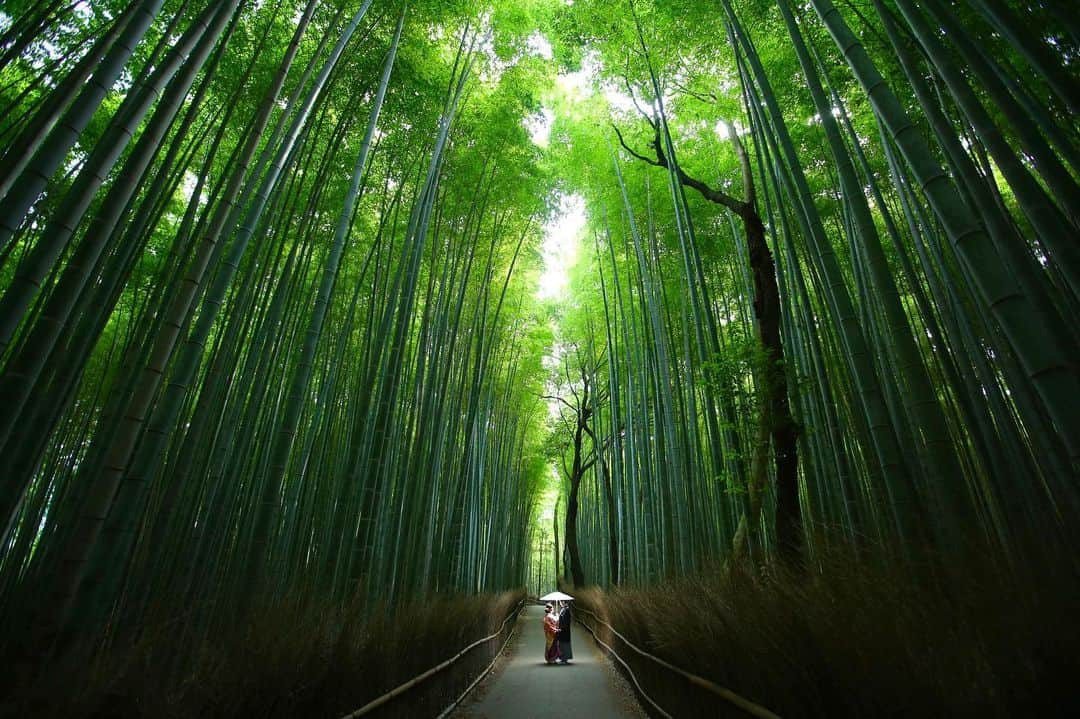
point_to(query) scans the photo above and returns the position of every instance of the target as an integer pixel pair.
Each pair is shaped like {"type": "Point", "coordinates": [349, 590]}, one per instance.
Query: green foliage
{"type": "Point", "coordinates": [204, 384]}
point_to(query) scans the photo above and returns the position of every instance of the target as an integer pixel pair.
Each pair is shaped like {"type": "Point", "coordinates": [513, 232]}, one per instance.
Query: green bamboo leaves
{"type": "Point", "coordinates": [299, 312]}
{"type": "Point", "coordinates": [920, 394]}
{"type": "Point", "coordinates": [268, 322]}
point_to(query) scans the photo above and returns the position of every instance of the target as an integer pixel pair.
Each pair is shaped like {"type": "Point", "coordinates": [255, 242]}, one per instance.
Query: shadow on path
{"type": "Point", "coordinates": [523, 686]}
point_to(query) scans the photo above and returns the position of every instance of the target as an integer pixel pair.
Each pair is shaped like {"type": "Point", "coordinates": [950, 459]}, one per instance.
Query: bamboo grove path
{"type": "Point", "coordinates": [525, 687]}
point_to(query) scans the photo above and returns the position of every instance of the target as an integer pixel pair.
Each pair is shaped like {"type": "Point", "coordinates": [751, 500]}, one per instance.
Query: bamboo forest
{"type": "Point", "coordinates": [334, 333]}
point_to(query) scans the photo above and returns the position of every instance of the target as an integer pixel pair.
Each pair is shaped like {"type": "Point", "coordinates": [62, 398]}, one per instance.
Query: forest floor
{"type": "Point", "coordinates": [525, 687]}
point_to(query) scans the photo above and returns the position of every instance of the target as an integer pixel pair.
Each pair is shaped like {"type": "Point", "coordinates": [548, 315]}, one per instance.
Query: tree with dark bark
{"type": "Point", "coordinates": [576, 414]}
{"type": "Point", "coordinates": [776, 426]}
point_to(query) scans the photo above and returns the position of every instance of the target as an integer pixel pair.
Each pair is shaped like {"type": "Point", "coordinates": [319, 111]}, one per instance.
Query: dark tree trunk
{"type": "Point", "coordinates": [576, 572]}
{"type": "Point", "coordinates": [582, 411]}
{"type": "Point", "coordinates": [781, 425]}
{"type": "Point", "coordinates": [777, 426]}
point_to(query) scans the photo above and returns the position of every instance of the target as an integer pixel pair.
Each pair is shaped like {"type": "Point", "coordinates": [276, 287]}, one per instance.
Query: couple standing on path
{"type": "Point", "coordinates": [557, 633]}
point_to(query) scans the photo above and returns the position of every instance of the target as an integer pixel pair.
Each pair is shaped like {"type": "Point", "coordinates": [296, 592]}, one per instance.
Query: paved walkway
{"type": "Point", "coordinates": [523, 686]}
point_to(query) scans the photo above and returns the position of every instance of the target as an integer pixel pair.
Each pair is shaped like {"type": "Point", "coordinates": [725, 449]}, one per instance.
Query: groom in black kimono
{"type": "Point", "coordinates": [563, 635]}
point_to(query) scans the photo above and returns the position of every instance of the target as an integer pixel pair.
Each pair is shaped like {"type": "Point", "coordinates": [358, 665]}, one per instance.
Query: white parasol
{"type": "Point", "coordinates": [556, 597]}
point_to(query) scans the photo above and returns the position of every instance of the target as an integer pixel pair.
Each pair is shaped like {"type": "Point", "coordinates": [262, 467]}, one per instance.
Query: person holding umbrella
{"type": "Point", "coordinates": [566, 653]}
{"type": "Point", "coordinates": [563, 652]}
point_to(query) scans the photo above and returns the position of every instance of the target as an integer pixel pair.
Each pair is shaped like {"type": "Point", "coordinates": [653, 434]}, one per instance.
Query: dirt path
{"type": "Point", "coordinates": [523, 686]}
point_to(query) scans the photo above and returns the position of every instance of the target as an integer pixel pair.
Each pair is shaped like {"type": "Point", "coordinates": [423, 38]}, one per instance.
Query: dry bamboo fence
{"type": "Point", "coordinates": [415, 681]}
{"type": "Point", "coordinates": [751, 708]}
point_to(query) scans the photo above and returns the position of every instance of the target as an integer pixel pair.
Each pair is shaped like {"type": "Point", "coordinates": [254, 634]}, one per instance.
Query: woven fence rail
{"type": "Point", "coordinates": [420, 678]}
{"type": "Point", "coordinates": [751, 708]}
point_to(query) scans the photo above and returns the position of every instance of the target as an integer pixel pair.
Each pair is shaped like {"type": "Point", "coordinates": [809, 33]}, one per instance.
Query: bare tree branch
{"type": "Point", "coordinates": [713, 195]}
{"type": "Point", "coordinates": [631, 151]}
{"type": "Point", "coordinates": [706, 97]}
{"type": "Point", "coordinates": [633, 98]}
{"type": "Point", "coordinates": [560, 399]}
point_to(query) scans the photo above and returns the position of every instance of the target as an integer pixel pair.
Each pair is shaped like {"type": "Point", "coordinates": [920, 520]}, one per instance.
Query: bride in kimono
{"type": "Point", "coordinates": [551, 627]}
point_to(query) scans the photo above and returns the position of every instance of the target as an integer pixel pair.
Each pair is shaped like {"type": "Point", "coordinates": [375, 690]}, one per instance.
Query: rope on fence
{"type": "Point", "coordinates": [601, 642]}
{"type": "Point", "coordinates": [447, 710]}
{"type": "Point", "coordinates": [751, 708]}
{"type": "Point", "coordinates": [401, 689]}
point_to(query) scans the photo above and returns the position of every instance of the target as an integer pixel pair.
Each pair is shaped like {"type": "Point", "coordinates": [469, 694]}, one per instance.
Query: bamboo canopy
{"type": "Point", "coordinates": [275, 325]}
